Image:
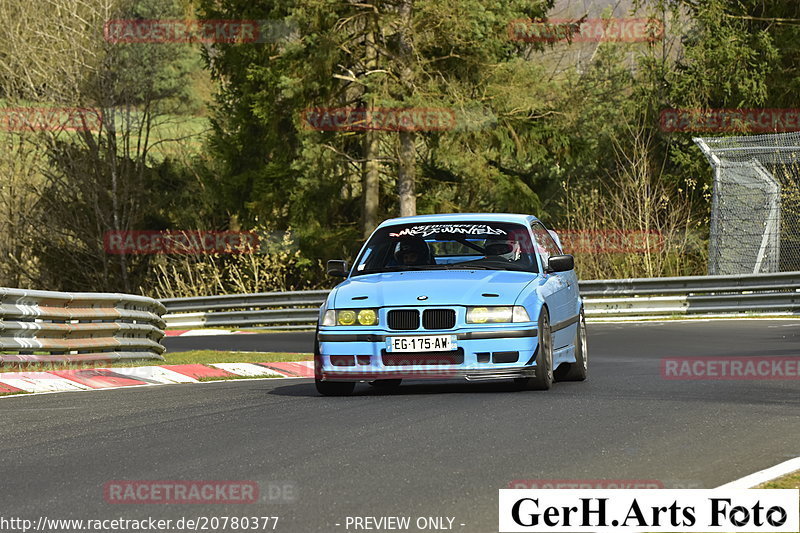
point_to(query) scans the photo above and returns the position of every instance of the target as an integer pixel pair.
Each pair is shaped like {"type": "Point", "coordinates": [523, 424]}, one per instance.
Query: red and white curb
{"type": "Point", "coordinates": [114, 378]}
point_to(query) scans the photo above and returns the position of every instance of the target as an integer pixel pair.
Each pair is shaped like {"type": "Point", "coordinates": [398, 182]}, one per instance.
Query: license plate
{"type": "Point", "coordinates": [429, 343]}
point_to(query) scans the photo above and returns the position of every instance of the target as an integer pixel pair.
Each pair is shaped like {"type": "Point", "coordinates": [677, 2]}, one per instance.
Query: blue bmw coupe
{"type": "Point", "coordinates": [462, 296]}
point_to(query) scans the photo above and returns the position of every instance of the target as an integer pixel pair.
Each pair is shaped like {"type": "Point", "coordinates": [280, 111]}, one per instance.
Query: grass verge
{"type": "Point", "coordinates": [245, 329]}
{"type": "Point", "coordinates": [176, 358]}
{"type": "Point", "coordinates": [789, 481]}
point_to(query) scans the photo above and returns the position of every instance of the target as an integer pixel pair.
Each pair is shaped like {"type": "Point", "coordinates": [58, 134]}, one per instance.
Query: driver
{"type": "Point", "coordinates": [414, 251]}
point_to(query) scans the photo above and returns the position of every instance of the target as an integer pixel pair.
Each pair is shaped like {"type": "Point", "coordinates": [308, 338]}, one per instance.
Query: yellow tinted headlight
{"type": "Point", "coordinates": [477, 315]}
{"type": "Point", "coordinates": [347, 317]}
{"type": "Point", "coordinates": [367, 317]}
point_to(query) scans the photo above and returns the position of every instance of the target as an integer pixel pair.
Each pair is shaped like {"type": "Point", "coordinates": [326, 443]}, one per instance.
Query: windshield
{"type": "Point", "coordinates": [448, 246]}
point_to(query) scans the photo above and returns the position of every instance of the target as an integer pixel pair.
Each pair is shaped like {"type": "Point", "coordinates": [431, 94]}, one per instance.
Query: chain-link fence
{"type": "Point", "coordinates": [755, 208]}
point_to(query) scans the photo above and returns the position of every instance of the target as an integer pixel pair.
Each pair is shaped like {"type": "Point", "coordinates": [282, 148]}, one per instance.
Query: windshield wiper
{"type": "Point", "coordinates": [461, 266]}
{"type": "Point", "coordinates": [466, 265]}
{"type": "Point", "coordinates": [400, 268]}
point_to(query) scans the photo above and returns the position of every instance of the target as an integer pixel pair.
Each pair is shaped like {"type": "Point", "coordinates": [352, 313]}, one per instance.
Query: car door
{"type": "Point", "coordinates": [559, 284]}
{"type": "Point", "coordinates": [571, 278]}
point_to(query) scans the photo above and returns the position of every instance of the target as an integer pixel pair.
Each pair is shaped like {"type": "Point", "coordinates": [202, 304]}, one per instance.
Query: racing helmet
{"type": "Point", "coordinates": [502, 248]}
{"type": "Point", "coordinates": [413, 251]}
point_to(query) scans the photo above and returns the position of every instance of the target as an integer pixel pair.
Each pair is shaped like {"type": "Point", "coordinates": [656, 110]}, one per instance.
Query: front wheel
{"type": "Point", "coordinates": [578, 370]}
{"type": "Point", "coordinates": [543, 379]}
{"type": "Point", "coordinates": [335, 388]}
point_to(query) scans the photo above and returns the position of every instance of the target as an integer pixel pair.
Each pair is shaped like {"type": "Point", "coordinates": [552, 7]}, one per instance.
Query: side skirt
{"type": "Point", "coordinates": [564, 355]}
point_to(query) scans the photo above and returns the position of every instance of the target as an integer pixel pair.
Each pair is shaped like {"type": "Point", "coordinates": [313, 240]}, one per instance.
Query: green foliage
{"type": "Point", "coordinates": [277, 265]}
{"type": "Point", "coordinates": [135, 75]}
{"type": "Point", "coordinates": [577, 143]}
{"type": "Point", "coordinates": [125, 175]}
{"type": "Point", "coordinates": [725, 54]}
{"type": "Point", "coordinates": [274, 169]}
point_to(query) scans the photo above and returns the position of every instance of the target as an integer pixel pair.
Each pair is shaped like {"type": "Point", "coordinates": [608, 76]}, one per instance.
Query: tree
{"type": "Point", "coordinates": [111, 175]}
{"type": "Point", "coordinates": [380, 54]}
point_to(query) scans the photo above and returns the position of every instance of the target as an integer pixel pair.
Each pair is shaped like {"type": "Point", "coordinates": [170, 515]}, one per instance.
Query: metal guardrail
{"type": "Point", "coordinates": [760, 294]}
{"type": "Point", "coordinates": [265, 310]}
{"type": "Point", "coordinates": [616, 298]}
{"type": "Point", "coordinates": [44, 326]}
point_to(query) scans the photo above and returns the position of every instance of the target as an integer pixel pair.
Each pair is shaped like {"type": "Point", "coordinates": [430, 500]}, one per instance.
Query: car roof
{"type": "Point", "coordinates": [460, 217]}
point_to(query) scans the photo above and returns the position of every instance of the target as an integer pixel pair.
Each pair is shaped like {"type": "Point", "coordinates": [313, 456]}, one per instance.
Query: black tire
{"type": "Point", "coordinates": [386, 384]}
{"type": "Point", "coordinates": [317, 355]}
{"type": "Point", "coordinates": [335, 388]}
{"type": "Point", "coordinates": [578, 370]}
{"type": "Point", "coordinates": [543, 379]}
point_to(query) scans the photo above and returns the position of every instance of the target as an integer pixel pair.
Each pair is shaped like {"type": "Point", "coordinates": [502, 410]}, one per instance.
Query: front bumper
{"type": "Point", "coordinates": [483, 354]}
{"type": "Point", "coordinates": [469, 374]}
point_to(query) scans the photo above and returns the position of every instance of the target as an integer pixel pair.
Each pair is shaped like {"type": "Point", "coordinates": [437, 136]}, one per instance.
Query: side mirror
{"type": "Point", "coordinates": [337, 267]}
{"type": "Point", "coordinates": [560, 263]}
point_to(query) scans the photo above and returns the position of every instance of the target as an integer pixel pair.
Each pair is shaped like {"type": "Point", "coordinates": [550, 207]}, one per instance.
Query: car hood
{"type": "Point", "coordinates": [441, 287]}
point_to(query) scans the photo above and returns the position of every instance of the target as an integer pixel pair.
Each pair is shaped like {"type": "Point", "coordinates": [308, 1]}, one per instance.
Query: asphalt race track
{"type": "Point", "coordinates": [299, 342]}
{"type": "Point", "coordinates": [427, 450]}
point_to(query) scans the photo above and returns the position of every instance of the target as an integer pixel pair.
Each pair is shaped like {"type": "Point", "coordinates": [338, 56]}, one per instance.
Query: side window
{"type": "Point", "coordinates": [545, 244]}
